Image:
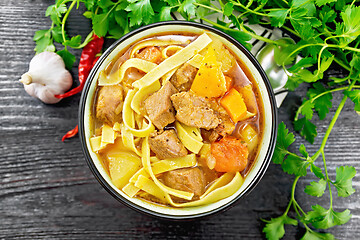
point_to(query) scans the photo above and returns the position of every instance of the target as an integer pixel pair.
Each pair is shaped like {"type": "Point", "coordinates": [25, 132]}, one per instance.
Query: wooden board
{"type": "Point", "coordinates": [47, 190]}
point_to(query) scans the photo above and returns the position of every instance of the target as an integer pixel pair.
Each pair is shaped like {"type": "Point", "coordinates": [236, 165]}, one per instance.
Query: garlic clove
{"type": "Point", "coordinates": [47, 76]}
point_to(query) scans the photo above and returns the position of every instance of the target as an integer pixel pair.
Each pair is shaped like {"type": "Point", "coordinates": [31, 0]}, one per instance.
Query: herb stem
{"type": "Point", "coordinates": [208, 7]}
{"type": "Point", "coordinates": [327, 177]}
{"type": "Point", "coordinates": [65, 18]}
{"type": "Point", "coordinates": [332, 123]}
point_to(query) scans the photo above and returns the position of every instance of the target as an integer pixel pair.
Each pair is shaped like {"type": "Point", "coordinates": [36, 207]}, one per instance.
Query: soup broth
{"type": "Point", "coordinates": [177, 120]}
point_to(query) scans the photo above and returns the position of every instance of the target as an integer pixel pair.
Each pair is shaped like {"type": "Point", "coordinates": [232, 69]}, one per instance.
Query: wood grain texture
{"type": "Point", "coordinates": [48, 192]}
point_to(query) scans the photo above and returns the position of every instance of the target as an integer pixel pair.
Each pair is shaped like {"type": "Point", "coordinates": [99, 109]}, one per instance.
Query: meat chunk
{"type": "Point", "coordinates": [109, 104]}
{"type": "Point", "coordinates": [186, 179]}
{"type": "Point", "coordinates": [151, 54]}
{"type": "Point", "coordinates": [210, 135]}
{"type": "Point", "coordinates": [194, 111]}
{"type": "Point", "coordinates": [159, 108]}
{"type": "Point", "coordinates": [184, 77]}
{"type": "Point", "coordinates": [167, 145]}
{"type": "Point", "coordinates": [226, 126]}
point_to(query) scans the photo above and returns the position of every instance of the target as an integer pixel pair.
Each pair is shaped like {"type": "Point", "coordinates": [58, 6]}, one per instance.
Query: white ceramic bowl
{"type": "Point", "coordinates": [266, 146]}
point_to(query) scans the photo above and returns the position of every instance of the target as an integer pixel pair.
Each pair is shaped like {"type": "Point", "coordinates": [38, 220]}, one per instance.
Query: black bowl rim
{"type": "Point", "coordinates": [132, 205]}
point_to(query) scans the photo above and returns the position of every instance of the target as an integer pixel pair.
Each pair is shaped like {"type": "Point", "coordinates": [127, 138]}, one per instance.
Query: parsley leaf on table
{"type": "Point", "coordinates": [322, 218]}
{"type": "Point", "coordinates": [316, 189]}
{"type": "Point", "coordinates": [306, 128]}
{"type": "Point", "coordinates": [283, 141]}
{"type": "Point", "coordinates": [140, 11]}
{"type": "Point", "coordinates": [311, 235]}
{"type": "Point", "coordinates": [343, 182]}
{"type": "Point", "coordinates": [274, 228]}
{"type": "Point", "coordinates": [323, 103]}
{"type": "Point", "coordinates": [354, 95]}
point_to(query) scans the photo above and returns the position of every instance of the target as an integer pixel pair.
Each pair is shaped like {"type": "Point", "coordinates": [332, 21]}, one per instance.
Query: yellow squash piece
{"type": "Point", "coordinates": [249, 98]}
{"type": "Point", "coordinates": [249, 135]}
{"type": "Point", "coordinates": [209, 80]}
{"type": "Point", "coordinates": [234, 104]}
{"type": "Point", "coordinates": [122, 167]}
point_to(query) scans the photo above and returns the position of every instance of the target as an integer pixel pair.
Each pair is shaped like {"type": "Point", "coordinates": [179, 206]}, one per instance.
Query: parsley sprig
{"type": "Point", "coordinates": [326, 32]}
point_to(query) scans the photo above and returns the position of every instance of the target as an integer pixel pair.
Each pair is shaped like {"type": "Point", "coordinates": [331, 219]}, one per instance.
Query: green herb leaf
{"type": "Point", "coordinates": [274, 229]}
{"type": "Point", "coordinates": [283, 141]}
{"type": "Point", "coordinates": [100, 24]}
{"type": "Point", "coordinates": [55, 11]}
{"type": "Point", "coordinates": [320, 3]}
{"type": "Point", "coordinates": [140, 11]}
{"type": "Point", "coordinates": [354, 95]}
{"type": "Point", "coordinates": [349, 29]}
{"type": "Point", "coordinates": [73, 42]}
{"type": "Point", "coordinates": [322, 218]}
{"type": "Point", "coordinates": [311, 235]}
{"type": "Point", "coordinates": [69, 58]}
{"type": "Point", "coordinates": [228, 8]}
{"type": "Point", "coordinates": [317, 171]}
{"type": "Point", "coordinates": [57, 34]}
{"type": "Point", "coordinates": [278, 17]}
{"type": "Point", "coordinates": [343, 182]}
{"type": "Point", "coordinates": [295, 165]}
{"type": "Point", "coordinates": [303, 63]}
{"type": "Point", "coordinates": [316, 189]}
{"type": "Point", "coordinates": [306, 109]}
{"type": "Point", "coordinates": [187, 8]}
{"type": "Point", "coordinates": [43, 41]}
{"type": "Point", "coordinates": [306, 129]}
{"type": "Point", "coordinates": [165, 14]}
{"type": "Point", "coordinates": [323, 103]}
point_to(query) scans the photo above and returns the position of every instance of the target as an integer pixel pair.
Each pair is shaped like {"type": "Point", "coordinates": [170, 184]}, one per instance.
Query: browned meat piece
{"type": "Point", "coordinates": [194, 111]}
{"type": "Point", "coordinates": [186, 179]}
{"type": "Point", "coordinates": [226, 126]}
{"type": "Point", "coordinates": [184, 77]}
{"type": "Point", "coordinates": [167, 145]}
{"type": "Point", "coordinates": [210, 135]}
{"type": "Point", "coordinates": [109, 104]}
{"type": "Point", "coordinates": [159, 108]}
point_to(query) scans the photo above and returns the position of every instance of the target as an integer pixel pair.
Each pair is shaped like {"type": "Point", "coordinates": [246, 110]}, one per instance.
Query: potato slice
{"type": "Point", "coordinates": [122, 167]}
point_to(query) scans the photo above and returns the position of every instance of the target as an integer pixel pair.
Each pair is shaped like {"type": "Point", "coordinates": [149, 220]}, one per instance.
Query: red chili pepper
{"type": "Point", "coordinates": [87, 61]}
{"type": "Point", "coordinates": [70, 133]}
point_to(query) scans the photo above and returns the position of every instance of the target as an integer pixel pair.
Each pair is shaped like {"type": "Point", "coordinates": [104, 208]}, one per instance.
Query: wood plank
{"type": "Point", "coordinates": [47, 190]}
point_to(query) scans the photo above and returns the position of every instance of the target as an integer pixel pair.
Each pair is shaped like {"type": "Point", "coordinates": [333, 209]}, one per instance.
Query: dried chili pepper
{"type": "Point", "coordinates": [89, 57]}
{"type": "Point", "coordinates": [70, 133]}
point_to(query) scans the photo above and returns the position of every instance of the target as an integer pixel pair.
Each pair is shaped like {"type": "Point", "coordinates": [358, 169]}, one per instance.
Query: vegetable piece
{"type": "Point", "coordinates": [209, 81]}
{"type": "Point", "coordinates": [223, 55]}
{"type": "Point", "coordinates": [230, 154]}
{"type": "Point", "coordinates": [120, 161]}
{"type": "Point", "coordinates": [46, 77]}
{"type": "Point", "coordinates": [151, 54]}
{"type": "Point", "coordinates": [249, 135]}
{"type": "Point", "coordinates": [234, 104]}
{"type": "Point", "coordinates": [249, 98]}
{"type": "Point", "coordinates": [229, 83]}
{"type": "Point", "coordinates": [86, 63]}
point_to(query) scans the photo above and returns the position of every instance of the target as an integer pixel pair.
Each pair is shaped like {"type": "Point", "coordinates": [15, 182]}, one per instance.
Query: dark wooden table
{"type": "Point", "coordinates": [47, 190]}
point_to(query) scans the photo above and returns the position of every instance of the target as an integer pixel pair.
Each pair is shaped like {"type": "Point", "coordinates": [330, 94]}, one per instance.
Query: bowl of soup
{"type": "Point", "coordinates": [178, 120]}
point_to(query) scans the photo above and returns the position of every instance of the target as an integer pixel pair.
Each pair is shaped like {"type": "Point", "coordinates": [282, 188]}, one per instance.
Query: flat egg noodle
{"type": "Point", "coordinates": [174, 61]}
{"type": "Point", "coordinates": [142, 93]}
{"type": "Point", "coordinates": [146, 164]}
{"type": "Point", "coordinates": [161, 166]}
{"type": "Point", "coordinates": [128, 140]}
{"type": "Point", "coordinates": [189, 136]}
{"type": "Point", "coordinates": [215, 195]}
{"type": "Point", "coordinates": [137, 63]}
{"type": "Point", "coordinates": [221, 181]}
{"type": "Point", "coordinates": [128, 118]}
{"type": "Point", "coordinates": [130, 189]}
{"type": "Point", "coordinates": [167, 76]}
{"type": "Point", "coordinates": [150, 187]}
{"type": "Point", "coordinates": [171, 48]}
{"type": "Point", "coordinates": [154, 42]}
{"type": "Point", "coordinates": [196, 60]}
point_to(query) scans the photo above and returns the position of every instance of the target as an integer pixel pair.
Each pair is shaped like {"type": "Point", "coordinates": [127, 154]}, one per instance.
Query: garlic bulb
{"type": "Point", "coordinates": [47, 77]}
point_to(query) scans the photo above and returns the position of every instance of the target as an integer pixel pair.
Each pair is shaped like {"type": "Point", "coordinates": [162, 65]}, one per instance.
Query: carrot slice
{"type": "Point", "coordinates": [231, 155]}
